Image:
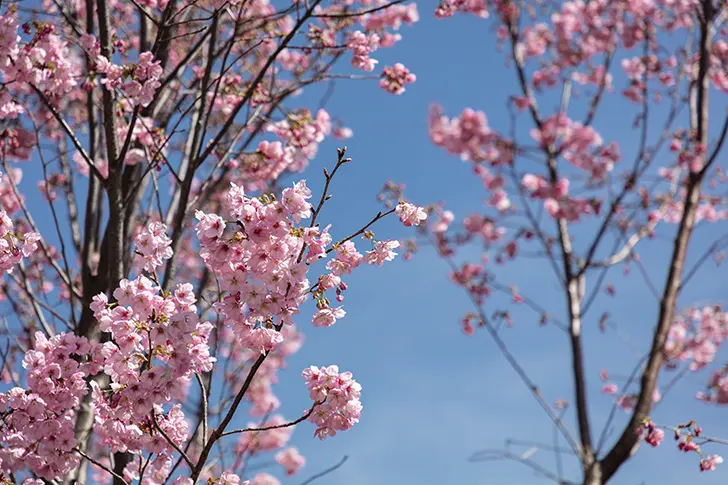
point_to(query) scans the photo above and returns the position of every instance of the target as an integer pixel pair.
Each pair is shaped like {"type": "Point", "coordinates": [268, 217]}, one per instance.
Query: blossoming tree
{"type": "Point", "coordinates": [170, 258]}
{"type": "Point", "coordinates": [584, 206]}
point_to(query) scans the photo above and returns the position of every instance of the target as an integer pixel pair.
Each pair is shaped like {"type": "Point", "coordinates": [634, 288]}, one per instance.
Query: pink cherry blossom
{"type": "Point", "coordinates": [383, 251]}
{"type": "Point", "coordinates": [154, 245]}
{"type": "Point", "coordinates": [410, 214]}
{"type": "Point", "coordinates": [710, 462]}
{"type": "Point", "coordinates": [338, 395]}
{"type": "Point", "coordinates": [291, 460]}
{"type": "Point", "coordinates": [394, 78]}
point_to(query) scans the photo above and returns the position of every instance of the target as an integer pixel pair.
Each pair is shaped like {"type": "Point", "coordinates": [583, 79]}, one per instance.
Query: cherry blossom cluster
{"type": "Point", "coordinates": [696, 335]}
{"type": "Point", "coordinates": [268, 162]}
{"type": "Point", "coordinates": [690, 160]}
{"type": "Point", "coordinates": [710, 462]}
{"type": "Point", "coordinates": [580, 145]}
{"type": "Point", "coordinates": [380, 28]}
{"type": "Point", "coordinates": [395, 78]}
{"type": "Point", "coordinates": [689, 437]}
{"type": "Point", "coordinates": [261, 259]}
{"type": "Point", "coordinates": [226, 478]}
{"type": "Point", "coordinates": [291, 460]}
{"type": "Point", "coordinates": [37, 430]}
{"type": "Point", "coordinates": [337, 396]}
{"type": "Point", "coordinates": [13, 246]}
{"type": "Point", "coordinates": [495, 184]}
{"type": "Point", "coordinates": [361, 45]}
{"type": "Point", "coordinates": [556, 200]}
{"type": "Point", "coordinates": [263, 263]}
{"type": "Point", "coordinates": [44, 61]}
{"type": "Point", "coordinates": [300, 134]}
{"type": "Point", "coordinates": [8, 200]}
{"type": "Point", "coordinates": [653, 434]}
{"type": "Point", "coordinates": [153, 245]}
{"type": "Point", "coordinates": [410, 214]}
{"type": "Point", "coordinates": [258, 264]}
{"type": "Point", "coordinates": [138, 81]}
{"type": "Point", "coordinates": [160, 343]}
{"type": "Point", "coordinates": [467, 136]}
{"type": "Point", "coordinates": [447, 8]}
{"type": "Point", "coordinates": [393, 18]}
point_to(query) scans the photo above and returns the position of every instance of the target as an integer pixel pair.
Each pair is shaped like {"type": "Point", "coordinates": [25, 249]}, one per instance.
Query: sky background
{"type": "Point", "coordinates": [433, 396]}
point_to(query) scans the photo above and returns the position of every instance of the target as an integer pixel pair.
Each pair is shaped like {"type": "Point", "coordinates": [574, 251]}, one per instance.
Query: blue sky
{"type": "Point", "coordinates": [433, 396]}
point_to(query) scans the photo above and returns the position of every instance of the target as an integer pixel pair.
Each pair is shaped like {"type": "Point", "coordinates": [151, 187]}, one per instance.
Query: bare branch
{"type": "Point", "coordinates": [277, 426]}
{"type": "Point", "coordinates": [102, 466]}
{"type": "Point", "coordinates": [494, 455]}
{"type": "Point", "coordinates": [325, 472]}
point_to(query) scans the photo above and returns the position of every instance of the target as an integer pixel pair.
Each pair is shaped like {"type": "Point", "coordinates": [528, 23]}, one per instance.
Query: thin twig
{"type": "Point", "coordinates": [277, 426]}
{"type": "Point", "coordinates": [326, 472]}
{"type": "Point", "coordinates": [102, 466]}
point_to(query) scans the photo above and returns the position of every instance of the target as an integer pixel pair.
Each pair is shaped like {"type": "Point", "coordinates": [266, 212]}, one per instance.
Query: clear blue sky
{"type": "Point", "coordinates": [433, 396]}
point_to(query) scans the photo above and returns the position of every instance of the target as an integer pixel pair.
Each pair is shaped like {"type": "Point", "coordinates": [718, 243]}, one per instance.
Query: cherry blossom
{"type": "Point", "coordinates": [395, 77]}
{"type": "Point", "coordinates": [159, 138]}
{"type": "Point", "coordinates": [710, 462]}
{"type": "Point", "coordinates": [337, 395]}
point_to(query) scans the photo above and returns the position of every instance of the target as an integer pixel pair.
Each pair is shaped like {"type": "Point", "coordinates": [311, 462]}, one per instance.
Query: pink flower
{"type": "Point", "coordinates": [210, 227]}
{"type": "Point", "coordinates": [294, 201]}
{"type": "Point", "coordinates": [343, 132]}
{"type": "Point", "coordinates": [655, 436]}
{"type": "Point", "coordinates": [410, 214]}
{"type": "Point", "coordinates": [291, 460]}
{"type": "Point", "coordinates": [154, 245]}
{"type": "Point", "coordinates": [394, 78]}
{"type": "Point", "coordinates": [361, 45]}
{"type": "Point", "coordinates": [447, 8]}
{"type": "Point", "coordinates": [441, 225]}
{"type": "Point", "coordinates": [609, 389]}
{"type": "Point", "coordinates": [383, 251]}
{"type": "Point", "coordinates": [90, 45]}
{"type": "Point", "coordinates": [346, 260]}
{"type": "Point", "coordinates": [264, 479]}
{"type": "Point", "coordinates": [228, 478]}
{"type": "Point", "coordinates": [342, 408]}
{"type": "Point", "coordinates": [326, 317]}
{"type": "Point", "coordinates": [687, 445]}
{"type": "Point", "coordinates": [710, 462]}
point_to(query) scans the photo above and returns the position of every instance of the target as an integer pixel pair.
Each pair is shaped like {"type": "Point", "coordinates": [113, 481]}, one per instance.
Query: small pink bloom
{"type": "Point", "coordinates": [291, 460]}
{"type": "Point", "coordinates": [410, 214]}
{"type": "Point", "coordinates": [609, 389]}
{"type": "Point", "coordinates": [710, 462]}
